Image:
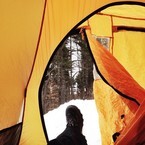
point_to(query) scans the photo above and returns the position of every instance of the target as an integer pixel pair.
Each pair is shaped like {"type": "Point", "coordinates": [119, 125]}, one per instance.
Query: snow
{"type": "Point", "coordinates": [55, 120]}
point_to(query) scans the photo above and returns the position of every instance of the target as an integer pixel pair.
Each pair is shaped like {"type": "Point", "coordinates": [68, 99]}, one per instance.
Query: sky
{"type": "Point", "coordinates": [55, 120]}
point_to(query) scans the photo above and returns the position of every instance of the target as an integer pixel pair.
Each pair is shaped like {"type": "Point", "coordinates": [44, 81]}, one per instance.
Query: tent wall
{"type": "Point", "coordinates": [110, 119]}
{"type": "Point", "coordinates": [20, 25]}
{"type": "Point", "coordinates": [128, 49]}
{"type": "Point", "coordinates": [116, 110]}
{"type": "Point", "coordinates": [58, 21]}
{"type": "Point", "coordinates": [27, 42]}
{"type": "Point", "coordinates": [131, 55]}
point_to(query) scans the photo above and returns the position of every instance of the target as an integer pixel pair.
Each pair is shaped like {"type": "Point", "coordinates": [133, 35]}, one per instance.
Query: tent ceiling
{"type": "Point", "coordinates": [131, 11]}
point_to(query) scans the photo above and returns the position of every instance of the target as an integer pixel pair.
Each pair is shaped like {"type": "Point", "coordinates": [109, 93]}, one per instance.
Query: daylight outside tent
{"type": "Point", "coordinates": [70, 72]}
{"type": "Point", "coordinates": [69, 75]}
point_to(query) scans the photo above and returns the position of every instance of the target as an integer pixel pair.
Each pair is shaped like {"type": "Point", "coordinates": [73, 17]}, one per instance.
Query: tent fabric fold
{"type": "Point", "coordinates": [114, 73]}
{"type": "Point", "coordinates": [118, 79]}
{"type": "Point", "coordinates": [135, 130]}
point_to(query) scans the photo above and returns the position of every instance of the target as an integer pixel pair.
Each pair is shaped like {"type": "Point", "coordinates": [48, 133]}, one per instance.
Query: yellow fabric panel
{"type": "Point", "coordinates": [19, 30]}
{"type": "Point", "coordinates": [32, 132]}
{"type": "Point", "coordinates": [101, 25]}
{"type": "Point", "coordinates": [110, 107]}
{"type": "Point", "coordinates": [131, 11]}
{"type": "Point", "coordinates": [128, 22]}
{"type": "Point", "coordinates": [130, 52]}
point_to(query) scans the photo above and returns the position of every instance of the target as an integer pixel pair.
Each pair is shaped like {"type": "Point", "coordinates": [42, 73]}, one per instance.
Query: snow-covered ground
{"type": "Point", "coordinates": [55, 120]}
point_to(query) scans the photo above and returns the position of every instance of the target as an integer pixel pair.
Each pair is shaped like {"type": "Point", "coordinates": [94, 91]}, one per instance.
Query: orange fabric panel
{"type": "Point", "coordinates": [115, 73]}
{"type": "Point", "coordinates": [134, 133]}
{"type": "Point", "coordinates": [19, 30]}
{"type": "Point", "coordinates": [60, 18]}
{"type": "Point", "coordinates": [110, 105]}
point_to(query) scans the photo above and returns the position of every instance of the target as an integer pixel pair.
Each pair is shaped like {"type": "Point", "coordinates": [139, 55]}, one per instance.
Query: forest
{"type": "Point", "coordinates": [69, 74]}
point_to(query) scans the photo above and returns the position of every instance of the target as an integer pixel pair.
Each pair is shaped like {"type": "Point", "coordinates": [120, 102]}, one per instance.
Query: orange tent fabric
{"type": "Point", "coordinates": [29, 34]}
{"type": "Point", "coordinates": [119, 79]}
{"type": "Point", "coordinates": [115, 74]}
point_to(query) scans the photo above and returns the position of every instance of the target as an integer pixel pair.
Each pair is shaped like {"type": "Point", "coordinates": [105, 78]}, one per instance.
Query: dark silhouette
{"type": "Point", "coordinates": [72, 135]}
{"type": "Point", "coordinates": [115, 135]}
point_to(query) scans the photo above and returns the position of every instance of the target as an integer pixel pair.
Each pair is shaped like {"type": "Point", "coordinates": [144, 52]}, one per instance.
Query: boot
{"type": "Point", "coordinates": [74, 117]}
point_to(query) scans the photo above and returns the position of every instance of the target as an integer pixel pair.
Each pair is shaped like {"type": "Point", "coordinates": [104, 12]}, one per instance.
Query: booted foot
{"type": "Point", "coordinates": [74, 117]}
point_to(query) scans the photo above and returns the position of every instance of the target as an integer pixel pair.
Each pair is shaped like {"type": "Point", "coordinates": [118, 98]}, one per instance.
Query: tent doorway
{"type": "Point", "coordinates": [69, 80]}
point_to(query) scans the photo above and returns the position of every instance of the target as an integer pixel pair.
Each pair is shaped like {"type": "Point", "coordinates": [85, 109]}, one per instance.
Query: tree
{"type": "Point", "coordinates": [69, 75]}
{"type": "Point", "coordinates": [85, 76]}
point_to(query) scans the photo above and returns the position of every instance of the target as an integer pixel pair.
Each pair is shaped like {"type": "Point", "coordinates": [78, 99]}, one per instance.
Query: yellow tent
{"type": "Point", "coordinates": [31, 31]}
